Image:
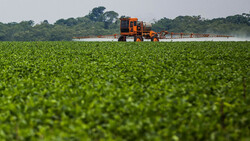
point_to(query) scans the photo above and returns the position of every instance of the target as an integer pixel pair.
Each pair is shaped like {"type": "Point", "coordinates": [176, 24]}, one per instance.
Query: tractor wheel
{"type": "Point", "coordinates": [155, 39]}
{"type": "Point", "coordinates": [138, 39]}
{"type": "Point", "coordinates": [122, 39]}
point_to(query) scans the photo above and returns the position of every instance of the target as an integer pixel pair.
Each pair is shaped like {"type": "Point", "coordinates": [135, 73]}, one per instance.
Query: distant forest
{"type": "Point", "coordinates": [101, 22]}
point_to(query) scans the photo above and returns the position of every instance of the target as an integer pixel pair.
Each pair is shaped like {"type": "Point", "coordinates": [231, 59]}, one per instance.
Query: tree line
{"type": "Point", "coordinates": [101, 22]}
{"type": "Point", "coordinates": [237, 25]}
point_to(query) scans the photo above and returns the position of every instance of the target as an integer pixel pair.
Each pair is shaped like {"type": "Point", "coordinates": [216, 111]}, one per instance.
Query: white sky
{"type": "Point", "coordinates": [146, 10]}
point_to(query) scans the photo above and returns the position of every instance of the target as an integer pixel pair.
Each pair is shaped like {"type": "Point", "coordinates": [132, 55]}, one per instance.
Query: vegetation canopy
{"type": "Point", "coordinates": [124, 91]}
{"type": "Point", "coordinates": [101, 22]}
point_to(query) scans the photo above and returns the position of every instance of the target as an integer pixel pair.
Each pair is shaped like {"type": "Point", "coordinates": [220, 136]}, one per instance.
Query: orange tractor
{"type": "Point", "coordinates": [138, 29]}
{"type": "Point", "coordinates": [131, 27]}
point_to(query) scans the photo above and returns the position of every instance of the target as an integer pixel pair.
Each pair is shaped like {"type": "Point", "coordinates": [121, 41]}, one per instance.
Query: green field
{"type": "Point", "coordinates": [176, 91]}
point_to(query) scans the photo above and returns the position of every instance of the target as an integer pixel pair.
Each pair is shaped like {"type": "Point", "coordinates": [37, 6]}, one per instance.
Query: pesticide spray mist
{"type": "Point", "coordinates": [217, 39]}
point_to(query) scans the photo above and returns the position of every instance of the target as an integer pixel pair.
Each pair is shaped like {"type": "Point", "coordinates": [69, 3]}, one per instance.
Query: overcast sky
{"type": "Point", "coordinates": [146, 10]}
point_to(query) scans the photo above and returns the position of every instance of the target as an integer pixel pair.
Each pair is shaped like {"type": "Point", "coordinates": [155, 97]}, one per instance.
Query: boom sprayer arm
{"type": "Point", "coordinates": [139, 30]}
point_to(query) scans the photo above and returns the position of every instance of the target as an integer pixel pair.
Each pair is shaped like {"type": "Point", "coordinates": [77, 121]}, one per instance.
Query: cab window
{"type": "Point", "coordinates": [131, 24]}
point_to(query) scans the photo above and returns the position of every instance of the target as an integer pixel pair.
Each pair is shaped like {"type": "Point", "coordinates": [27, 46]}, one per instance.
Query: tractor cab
{"type": "Point", "coordinates": [128, 26]}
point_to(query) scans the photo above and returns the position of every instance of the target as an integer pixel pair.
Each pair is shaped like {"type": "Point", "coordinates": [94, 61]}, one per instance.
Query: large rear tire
{"type": "Point", "coordinates": [122, 39]}
{"type": "Point", "coordinates": [155, 39]}
{"type": "Point", "coordinates": [138, 39]}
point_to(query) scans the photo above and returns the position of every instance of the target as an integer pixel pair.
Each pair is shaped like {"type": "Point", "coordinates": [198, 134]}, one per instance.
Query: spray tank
{"type": "Point", "coordinates": [147, 27]}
